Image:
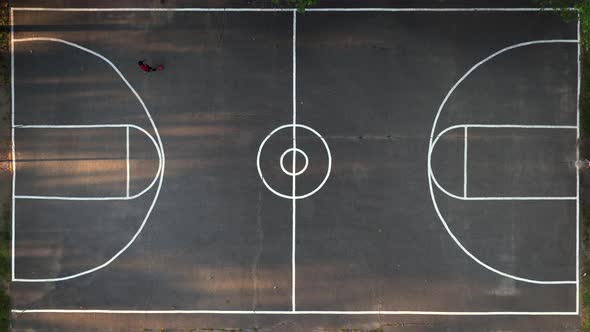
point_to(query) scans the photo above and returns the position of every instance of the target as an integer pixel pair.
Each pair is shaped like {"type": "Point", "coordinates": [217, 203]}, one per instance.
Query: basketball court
{"type": "Point", "coordinates": [370, 162]}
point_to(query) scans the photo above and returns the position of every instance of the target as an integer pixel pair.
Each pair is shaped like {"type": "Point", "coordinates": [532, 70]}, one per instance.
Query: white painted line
{"type": "Point", "coordinates": [465, 165]}
{"type": "Point", "coordinates": [262, 312]}
{"type": "Point", "coordinates": [578, 175]}
{"type": "Point", "coordinates": [518, 126]}
{"type": "Point", "coordinates": [424, 9]}
{"type": "Point", "coordinates": [127, 157]}
{"type": "Point", "coordinates": [294, 191]}
{"type": "Point", "coordinates": [431, 178]}
{"type": "Point", "coordinates": [464, 197]}
{"type": "Point", "coordinates": [185, 9]}
{"type": "Point", "coordinates": [13, 207]}
{"type": "Point", "coordinates": [293, 151]}
{"type": "Point", "coordinates": [105, 198]}
{"type": "Point", "coordinates": [475, 9]}
{"type": "Point", "coordinates": [248, 312]}
{"type": "Point", "coordinates": [161, 156]}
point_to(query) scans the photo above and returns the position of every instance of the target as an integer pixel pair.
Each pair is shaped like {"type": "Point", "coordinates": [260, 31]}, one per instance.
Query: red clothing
{"type": "Point", "coordinates": [144, 67]}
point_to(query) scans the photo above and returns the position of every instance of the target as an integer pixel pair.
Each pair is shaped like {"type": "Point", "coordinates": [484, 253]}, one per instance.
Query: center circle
{"type": "Point", "coordinates": [294, 151]}
{"type": "Point", "coordinates": [292, 195]}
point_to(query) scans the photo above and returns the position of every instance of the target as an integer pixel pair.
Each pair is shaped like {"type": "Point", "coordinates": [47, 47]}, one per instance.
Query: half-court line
{"type": "Point", "coordinates": [294, 174]}
{"type": "Point", "coordinates": [302, 312]}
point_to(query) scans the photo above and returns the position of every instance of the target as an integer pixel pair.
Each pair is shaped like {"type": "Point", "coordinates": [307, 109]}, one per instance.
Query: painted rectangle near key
{"type": "Point", "coordinates": [520, 162]}
{"type": "Point", "coordinates": [71, 162]}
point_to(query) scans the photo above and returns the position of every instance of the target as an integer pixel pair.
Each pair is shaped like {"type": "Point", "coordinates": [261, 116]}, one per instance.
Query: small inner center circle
{"type": "Point", "coordinates": [288, 170]}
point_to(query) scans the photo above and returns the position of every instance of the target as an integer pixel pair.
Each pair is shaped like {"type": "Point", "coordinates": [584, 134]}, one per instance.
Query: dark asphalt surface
{"type": "Point", "coordinates": [370, 83]}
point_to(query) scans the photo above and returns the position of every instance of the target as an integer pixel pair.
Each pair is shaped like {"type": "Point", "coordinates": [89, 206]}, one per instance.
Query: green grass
{"type": "Point", "coordinates": [301, 5]}
{"type": "Point", "coordinates": [5, 311]}
{"type": "Point", "coordinates": [570, 11]}
{"type": "Point", "coordinates": [583, 13]}
{"type": "Point", "coordinates": [584, 135]}
{"type": "Point", "coordinates": [585, 279]}
{"type": "Point", "coordinates": [4, 42]}
{"type": "Point", "coordinates": [4, 244]}
{"type": "Point", "coordinates": [5, 217]}
{"type": "Point", "coordinates": [585, 97]}
{"type": "Point", "coordinates": [4, 269]}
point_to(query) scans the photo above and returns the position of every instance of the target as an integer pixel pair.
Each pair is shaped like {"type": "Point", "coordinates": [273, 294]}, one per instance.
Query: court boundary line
{"type": "Point", "coordinates": [358, 9]}
{"type": "Point", "coordinates": [327, 312]}
{"type": "Point", "coordinates": [98, 198]}
{"type": "Point", "coordinates": [12, 102]}
{"type": "Point", "coordinates": [578, 172]}
{"type": "Point", "coordinates": [431, 178]}
{"type": "Point", "coordinates": [302, 312]}
{"type": "Point", "coordinates": [465, 164]}
{"type": "Point", "coordinates": [147, 114]}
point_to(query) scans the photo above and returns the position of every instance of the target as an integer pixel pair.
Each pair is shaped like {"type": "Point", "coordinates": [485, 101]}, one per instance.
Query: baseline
{"type": "Point", "coordinates": [302, 312]}
{"type": "Point", "coordinates": [293, 312]}
{"type": "Point", "coordinates": [578, 173]}
{"type": "Point", "coordinates": [375, 9]}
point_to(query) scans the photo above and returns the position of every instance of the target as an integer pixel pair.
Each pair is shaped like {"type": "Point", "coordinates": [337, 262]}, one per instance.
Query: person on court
{"type": "Point", "coordinates": [145, 67]}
